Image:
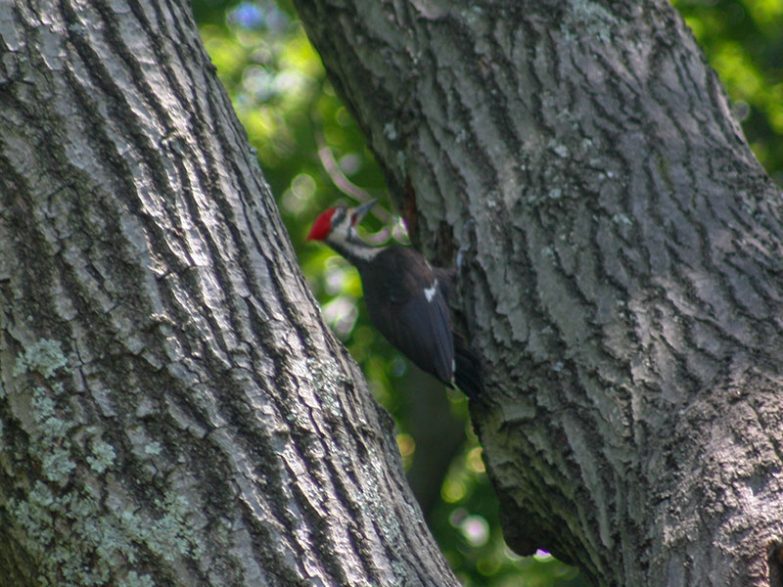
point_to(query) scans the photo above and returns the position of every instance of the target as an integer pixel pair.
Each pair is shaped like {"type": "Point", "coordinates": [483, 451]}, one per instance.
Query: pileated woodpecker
{"type": "Point", "coordinates": [406, 299]}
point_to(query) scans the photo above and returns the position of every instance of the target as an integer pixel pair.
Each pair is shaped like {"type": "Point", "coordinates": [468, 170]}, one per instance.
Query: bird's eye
{"type": "Point", "coordinates": [354, 218]}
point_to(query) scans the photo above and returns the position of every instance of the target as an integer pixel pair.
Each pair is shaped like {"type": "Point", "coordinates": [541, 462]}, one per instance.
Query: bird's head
{"type": "Point", "coordinates": [337, 225]}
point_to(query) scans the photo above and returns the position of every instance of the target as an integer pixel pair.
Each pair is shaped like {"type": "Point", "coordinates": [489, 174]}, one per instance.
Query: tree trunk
{"type": "Point", "coordinates": [173, 410]}
{"type": "Point", "coordinates": [624, 281]}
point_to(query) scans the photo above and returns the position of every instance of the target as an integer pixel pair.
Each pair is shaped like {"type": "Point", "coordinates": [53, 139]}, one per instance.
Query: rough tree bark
{"type": "Point", "coordinates": [173, 411]}
{"type": "Point", "coordinates": [625, 280]}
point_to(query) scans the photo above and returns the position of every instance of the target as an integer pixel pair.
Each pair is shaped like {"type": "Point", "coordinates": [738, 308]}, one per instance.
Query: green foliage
{"type": "Point", "coordinates": [280, 92]}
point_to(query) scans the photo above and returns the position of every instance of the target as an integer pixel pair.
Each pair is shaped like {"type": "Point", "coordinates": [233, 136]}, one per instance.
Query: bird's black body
{"type": "Point", "coordinates": [406, 300]}
{"type": "Point", "coordinates": [405, 303]}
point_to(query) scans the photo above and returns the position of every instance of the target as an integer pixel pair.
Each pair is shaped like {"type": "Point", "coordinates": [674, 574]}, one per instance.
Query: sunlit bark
{"type": "Point", "coordinates": [172, 409]}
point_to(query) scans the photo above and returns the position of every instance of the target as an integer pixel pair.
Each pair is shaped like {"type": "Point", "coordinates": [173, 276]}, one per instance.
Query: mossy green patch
{"type": "Point", "coordinates": [44, 357]}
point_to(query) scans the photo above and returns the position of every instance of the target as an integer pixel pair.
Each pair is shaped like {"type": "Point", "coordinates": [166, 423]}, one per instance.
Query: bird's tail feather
{"type": "Point", "coordinates": [467, 375]}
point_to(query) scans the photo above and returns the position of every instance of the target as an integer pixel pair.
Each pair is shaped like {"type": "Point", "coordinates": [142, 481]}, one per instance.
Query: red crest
{"type": "Point", "coordinates": [322, 226]}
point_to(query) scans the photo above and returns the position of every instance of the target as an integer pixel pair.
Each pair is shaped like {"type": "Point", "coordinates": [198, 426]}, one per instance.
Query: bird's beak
{"type": "Point", "coordinates": [361, 211]}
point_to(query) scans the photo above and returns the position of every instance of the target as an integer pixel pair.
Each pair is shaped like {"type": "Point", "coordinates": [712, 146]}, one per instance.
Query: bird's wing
{"type": "Point", "coordinates": [467, 372]}
{"type": "Point", "coordinates": [421, 329]}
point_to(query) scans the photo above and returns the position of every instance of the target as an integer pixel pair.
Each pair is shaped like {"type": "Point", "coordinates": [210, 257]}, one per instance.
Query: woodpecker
{"type": "Point", "coordinates": [406, 298]}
